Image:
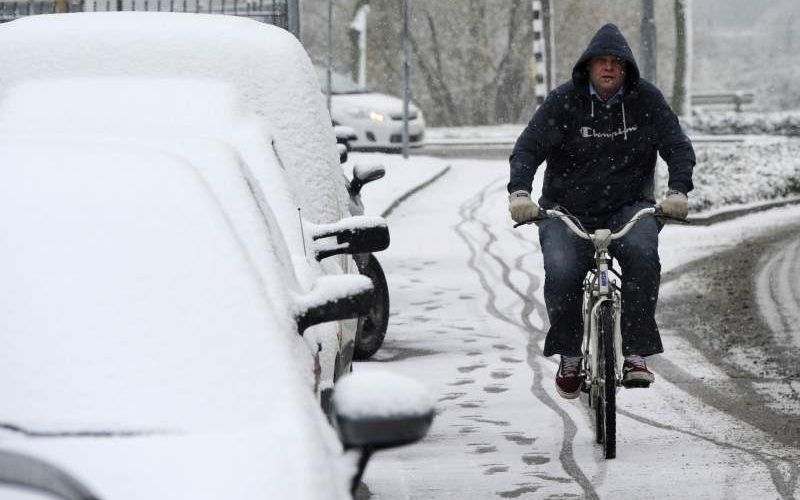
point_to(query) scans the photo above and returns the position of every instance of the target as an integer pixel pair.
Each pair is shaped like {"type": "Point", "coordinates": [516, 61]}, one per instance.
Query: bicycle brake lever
{"type": "Point", "coordinates": [672, 218]}
{"type": "Point", "coordinates": [527, 223]}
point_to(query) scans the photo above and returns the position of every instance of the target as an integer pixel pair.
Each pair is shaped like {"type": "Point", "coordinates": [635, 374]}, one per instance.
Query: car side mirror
{"type": "Point", "coordinates": [344, 134]}
{"type": "Point", "coordinates": [363, 174]}
{"type": "Point", "coordinates": [334, 298]}
{"type": "Point", "coordinates": [375, 410]}
{"type": "Point", "coordinates": [357, 234]}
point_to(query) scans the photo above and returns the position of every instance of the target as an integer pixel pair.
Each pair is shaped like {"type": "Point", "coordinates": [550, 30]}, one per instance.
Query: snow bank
{"type": "Point", "coordinates": [782, 123]}
{"type": "Point", "coordinates": [742, 173]}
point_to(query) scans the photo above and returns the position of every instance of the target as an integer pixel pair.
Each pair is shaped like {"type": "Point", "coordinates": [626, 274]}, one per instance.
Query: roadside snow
{"type": "Point", "coordinates": [402, 176]}
{"type": "Point", "coordinates": [780, 123]}
{"type": "Point", "coordinates": [489, 134]}
{"type": "Point", "coordinates": [731, 170]}
{"type": "Point", "coordinates": [751, 171]}
{"type": "Point", "coordinates": [467, 321]}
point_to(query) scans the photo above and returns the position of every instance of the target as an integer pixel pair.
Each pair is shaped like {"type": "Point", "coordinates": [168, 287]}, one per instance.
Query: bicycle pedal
{"type": "Point", "coordinates": [636, 384]}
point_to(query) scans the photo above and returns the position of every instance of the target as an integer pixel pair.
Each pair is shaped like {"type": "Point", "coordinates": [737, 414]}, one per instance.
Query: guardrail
{"type": "Point", "coordinates": [736, 98]}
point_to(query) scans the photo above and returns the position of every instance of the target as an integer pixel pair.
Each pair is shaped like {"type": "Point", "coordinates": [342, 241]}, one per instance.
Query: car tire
{"type": "Point", "coordinates": [371, 329]}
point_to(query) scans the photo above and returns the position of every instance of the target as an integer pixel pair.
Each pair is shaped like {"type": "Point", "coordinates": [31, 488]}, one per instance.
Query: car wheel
{"type": "Point", "coordinates": [371, 329]}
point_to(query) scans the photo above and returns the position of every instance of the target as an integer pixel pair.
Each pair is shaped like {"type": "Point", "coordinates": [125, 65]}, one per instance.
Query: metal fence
{"type": "Point", "coordinates": [281, 13]}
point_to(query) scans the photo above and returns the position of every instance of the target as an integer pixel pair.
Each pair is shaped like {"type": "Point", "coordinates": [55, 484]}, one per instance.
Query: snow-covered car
{"type": "Point", "coordinates": [176, 249]}
{"type": "Point", "coordinates": [150, 339]}
{"type": "Point", "coordinates": [133, 74]}
{"type": "Point", "coordinates": [376, 119]}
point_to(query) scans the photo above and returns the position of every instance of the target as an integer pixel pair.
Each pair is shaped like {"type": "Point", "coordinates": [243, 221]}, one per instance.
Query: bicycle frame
{"type": "Point", "coordinates": [598, 288]}
{"type": "Point", "coordinates": [598, 292]}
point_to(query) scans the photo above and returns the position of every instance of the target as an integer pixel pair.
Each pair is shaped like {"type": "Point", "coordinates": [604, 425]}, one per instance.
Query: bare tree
{"type": "Point", "coordinates": [471, 58]}
{"type": "Point", "coordinates": [648, 43]}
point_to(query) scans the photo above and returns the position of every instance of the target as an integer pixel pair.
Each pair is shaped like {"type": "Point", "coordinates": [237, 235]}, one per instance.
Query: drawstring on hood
{"type": "Point", "coordinates": [624, 124]}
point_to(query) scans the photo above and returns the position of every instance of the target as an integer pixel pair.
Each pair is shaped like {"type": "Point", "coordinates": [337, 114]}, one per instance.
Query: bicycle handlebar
{"type": "Point", "coordinates": [556, 214]}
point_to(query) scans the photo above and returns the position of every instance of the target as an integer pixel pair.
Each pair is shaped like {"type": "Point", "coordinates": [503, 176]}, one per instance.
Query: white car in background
{"type": "Point", "coordinates": [376, 119]}
{"type": "Point", "coordinates": [175, 261]}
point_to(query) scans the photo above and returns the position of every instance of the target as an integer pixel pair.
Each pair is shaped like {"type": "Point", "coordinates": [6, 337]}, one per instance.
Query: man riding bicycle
{"type": "Point", "coordinates": [600, 133]}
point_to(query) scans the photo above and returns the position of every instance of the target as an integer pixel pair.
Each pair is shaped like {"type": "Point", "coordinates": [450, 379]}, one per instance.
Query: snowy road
{"type": "Point", "coordinates": [779, 292]}
{"type": "Point", "coordinates": [468, 321]}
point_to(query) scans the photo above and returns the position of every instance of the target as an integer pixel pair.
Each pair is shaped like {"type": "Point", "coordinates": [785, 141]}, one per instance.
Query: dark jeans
{"type": "Point", "coordinates": [567, 259]}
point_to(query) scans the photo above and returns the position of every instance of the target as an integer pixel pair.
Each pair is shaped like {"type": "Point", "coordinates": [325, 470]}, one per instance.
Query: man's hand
{"type": "Point", "coordinates": [676, 204]}
{"type": "Point", "coordinates": [522, 207]}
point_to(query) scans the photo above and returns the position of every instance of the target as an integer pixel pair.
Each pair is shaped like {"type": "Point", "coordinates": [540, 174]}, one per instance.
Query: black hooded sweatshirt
{"type": "Point", "coordinates": [601, 157]}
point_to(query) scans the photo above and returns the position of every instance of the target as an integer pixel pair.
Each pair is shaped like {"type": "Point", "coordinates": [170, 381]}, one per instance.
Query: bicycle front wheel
{"type": "Point", "coordinates": [606, 410]}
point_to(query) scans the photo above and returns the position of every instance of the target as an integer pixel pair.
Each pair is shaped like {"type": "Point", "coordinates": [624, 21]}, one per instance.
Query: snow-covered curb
{"type": "Point", "coordinates": [404, 177]}
{"type": "Point", "coordinates": [489, 134]}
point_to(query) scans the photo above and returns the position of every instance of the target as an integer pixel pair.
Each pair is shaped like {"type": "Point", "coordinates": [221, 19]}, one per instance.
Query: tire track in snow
{"type": "Point", "coordinates": [779, 294]}
{"type": "Point", "coordinates": [784, 486]}
{"type": "Point", "coordinates": [467, 213]}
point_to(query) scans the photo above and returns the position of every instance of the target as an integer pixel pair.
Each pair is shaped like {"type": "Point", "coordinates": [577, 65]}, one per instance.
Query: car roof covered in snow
{"type": "Point", "coordinates": [267, 65]}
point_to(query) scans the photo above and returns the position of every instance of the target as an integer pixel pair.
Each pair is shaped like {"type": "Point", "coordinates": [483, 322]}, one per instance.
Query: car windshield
{"type": "Point", "coordinates": [131, 303]}
{"type": "Point", "coordinates": [340, 83]}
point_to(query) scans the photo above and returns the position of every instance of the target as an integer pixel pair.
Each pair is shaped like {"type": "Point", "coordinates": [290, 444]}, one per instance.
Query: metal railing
{"type": "Point", "coordinates": [275, 12]}
{"type": "Point", "coordinates": [735, 98]}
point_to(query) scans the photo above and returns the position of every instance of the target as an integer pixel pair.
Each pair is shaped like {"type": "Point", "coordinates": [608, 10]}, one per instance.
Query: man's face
{"type": "Point", "coordinates": [607, 74]}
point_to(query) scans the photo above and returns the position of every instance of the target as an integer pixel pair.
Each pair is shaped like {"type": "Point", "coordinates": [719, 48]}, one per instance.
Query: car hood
{"type": "Point", "coordinates": [371, 101]}
{"type": "Point", "coordinates": [275, 462]}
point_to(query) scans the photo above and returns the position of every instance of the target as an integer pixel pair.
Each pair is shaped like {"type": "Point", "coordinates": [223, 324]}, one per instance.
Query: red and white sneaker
{"type": "Point", "coordinates": [568, 377]}
{"type": "Point", "coordinates": [635, 372]}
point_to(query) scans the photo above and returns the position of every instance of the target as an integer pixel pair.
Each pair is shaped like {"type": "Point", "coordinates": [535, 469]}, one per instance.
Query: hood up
{"type": "Point", "coordinates": [607, 41]}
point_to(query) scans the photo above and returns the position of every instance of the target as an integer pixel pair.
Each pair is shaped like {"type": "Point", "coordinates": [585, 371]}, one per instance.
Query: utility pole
{"type": "Point", "coordinates": [549, 43]}
{"type": "Point", "coordinates": [293, 17]}
{"type": "Point", "coordinates": [406, 75]}
{"type": "Point", "coordinates": [648, 43]}
{"type": "Point", "coordinates": [542, 49]}
{"type": "Point", "coordinates": [681, 90]}
{"type": "Point", "coordinates": [359, 25]}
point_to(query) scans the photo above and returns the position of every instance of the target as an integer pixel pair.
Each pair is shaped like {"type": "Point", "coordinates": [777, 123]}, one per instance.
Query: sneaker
{"type": "Point", "coordinates": [568, 379]}
{"type": "Point", "coordinates": [635, 372]}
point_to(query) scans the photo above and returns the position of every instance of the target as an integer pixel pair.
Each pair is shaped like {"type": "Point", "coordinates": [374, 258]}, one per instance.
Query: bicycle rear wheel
{"type": "Point", "coordinates": [606, 409]}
